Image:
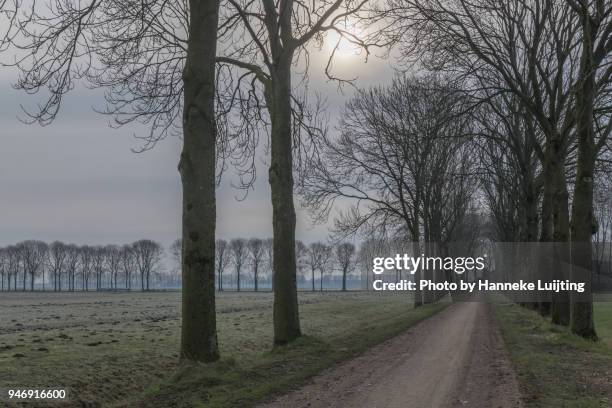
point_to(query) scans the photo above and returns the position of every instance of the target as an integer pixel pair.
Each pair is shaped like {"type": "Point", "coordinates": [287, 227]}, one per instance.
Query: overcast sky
{"type": "Point", "coordinates": [78, 181]}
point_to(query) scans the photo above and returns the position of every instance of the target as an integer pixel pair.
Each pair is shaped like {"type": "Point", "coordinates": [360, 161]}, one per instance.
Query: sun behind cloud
{"type": "Point", "coordinates": [344, 42]}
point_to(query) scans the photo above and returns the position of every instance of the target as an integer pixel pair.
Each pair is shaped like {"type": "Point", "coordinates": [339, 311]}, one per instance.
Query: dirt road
{"type": "Point", "coordinates": [453, 359]}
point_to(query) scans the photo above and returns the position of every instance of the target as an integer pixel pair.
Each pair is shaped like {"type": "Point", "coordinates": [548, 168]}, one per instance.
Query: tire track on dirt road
{"type": "Point", "coordinates": [456, 358]}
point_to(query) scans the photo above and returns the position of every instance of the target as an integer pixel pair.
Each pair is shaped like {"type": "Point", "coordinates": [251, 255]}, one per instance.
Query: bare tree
{"type": "Point", "coordinates": [550, 54]}
{"type": "Point", "coordinates": [13, 260]}
{"type": "Point", "coordinates": [511, 176]}
{"type": "Point", "coordinates": [33, 255]}
{"type": "Point", "coordinates": [21, 263]}
{"type": "Point", "coordinates": [403, 161]}
{"type": "Point", "coordinates": [72, 261]}
{"type": "Point", "coordinates": [156, 60]}
{"type": "Point", "coordinates": [56, 259]}
{"type": "Point", "coordinates": [368, 250]}
{"type": "Point", "coordinates": [500, 184]}
{"type": "Point", "coordinates": [256, 252]}
{"type": "Point", "coordinates": [595, 18]}
{"type": "Point", "coordinates": [147, 256]}
{"type": "Point", "coordinates": [19, 248]}
{"type": "Point", "coordinates": [262, 41]}
{"type": "Point", "coordinates": [326, 262]}
{"type": "Point", "coordinates": [238, 248]}
{"type": "Point", "coordinates": [345, 253]}
{"type": "Point", "coordinates": [113, 263]}
{"type": "Point", "coordinates": [314, 259]}
{"type": "Point", "coordinates": [508, 157]}
{"type": "Point", "coordinates": [222, 258]}
{"type": "Point", "coordinates": [176, 249]}
{"type": "Point", "coordinates": [301, 256]}
{"type": "Point", "coordinates": [86, 265]}
{"type": "Point", "coordinates": [3, 266]}
{"type": "Point", "coordinates": [269, 259]}
{"type": "Point", "coordinates": [128, 264]}
{"type": "Point", "coordinates": [98, 257]}
{"type": "Point", "coordinates": [524, 48]}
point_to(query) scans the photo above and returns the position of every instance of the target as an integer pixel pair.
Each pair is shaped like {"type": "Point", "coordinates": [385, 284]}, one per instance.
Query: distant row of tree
{"type": "Point", "coordinates": [239, 264]}
{"type": "Point", "coordinates": [72, 267]}
{"type": "Point", "coordinates": [247, 264]}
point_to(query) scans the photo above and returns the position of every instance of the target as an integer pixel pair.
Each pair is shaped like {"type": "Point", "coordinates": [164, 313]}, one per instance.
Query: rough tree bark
{"type": "Point", "coordinates": [286, 316]}
{"type": "Point", "coordinates": [545, 237]}
{"type": "Point", "coordinates": [418, 296]}
{"type": "Point", "coordinates": [197, 169]}
{"type": "Point", "coordinates": [582, 206]}
{"type": "Point", "coordinates": [556, 183]}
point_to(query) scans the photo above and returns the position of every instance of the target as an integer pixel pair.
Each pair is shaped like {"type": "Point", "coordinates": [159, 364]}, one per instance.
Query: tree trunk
{"type": "Point", "coordinates": [286, 314]}
{"type": "Point", "coordinates": [546, 232]}
{"type": "Point", "coordinates": [256, 278]}
{"type": "Point", "coordinates": [238, 279]}
{"type": "Point", "coordinates": [582, 206]}
{"type": "Point", "coordinates": [428, 295]}
{"type": "Point", "coordinates": [560, 307]}
{"type": "Point", "coordinates": [531, 233]}
{"type": "Point", "coordinates": [313, 279]}
{"type": "Point", "coordinates": [418, 296]}
{"type": "Point", "coordinates": [197, 169]}
{"type": "Point", "coordinates": [321, 282]}
{"type": "Point", "coordinates": [531, 214]}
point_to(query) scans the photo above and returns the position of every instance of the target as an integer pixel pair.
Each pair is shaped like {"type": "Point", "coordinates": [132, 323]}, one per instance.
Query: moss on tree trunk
{"type": "Point", "coordinates": [197, 168]}
{"type": "Point", "coordinates": [582, 206]}
{"type": "Point", "coordinates": [286, 315]}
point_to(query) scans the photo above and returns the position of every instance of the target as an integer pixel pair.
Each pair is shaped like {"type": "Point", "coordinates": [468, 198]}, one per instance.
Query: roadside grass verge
{"type": "Point", "coordinates": [333, 332]}
{"type": "Point", "coordinates": [554, 367]}
{"type": "Point", "coordinates": [603, 322]}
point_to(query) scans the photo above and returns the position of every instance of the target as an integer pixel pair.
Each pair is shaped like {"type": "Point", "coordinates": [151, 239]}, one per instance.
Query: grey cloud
{"type": "Point", "coordinates": [77, 179]}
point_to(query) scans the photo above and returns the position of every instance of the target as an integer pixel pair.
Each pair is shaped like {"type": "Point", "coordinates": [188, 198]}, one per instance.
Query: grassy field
{"type": "Point", "coordinates": [554, 367]}
{"type": "Point", "coordinates": [120, 349]}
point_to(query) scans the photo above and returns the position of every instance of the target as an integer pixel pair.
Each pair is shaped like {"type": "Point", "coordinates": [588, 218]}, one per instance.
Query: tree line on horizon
{"type": "Point", "coordinates": [241, 258]}
{"type": "Point", "coordinates": [58, 266]}
{"type": "Point", "coordinates": [240, 264]}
